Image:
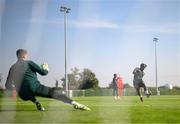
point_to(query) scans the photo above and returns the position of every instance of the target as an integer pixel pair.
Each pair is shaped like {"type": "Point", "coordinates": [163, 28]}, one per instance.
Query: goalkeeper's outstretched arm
{"type": "Point", "coordinates": [38, 68]}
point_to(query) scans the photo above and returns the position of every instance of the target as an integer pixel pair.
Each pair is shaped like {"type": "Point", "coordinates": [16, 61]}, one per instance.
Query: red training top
{"type": "Point", "coordinates": [119, 82]}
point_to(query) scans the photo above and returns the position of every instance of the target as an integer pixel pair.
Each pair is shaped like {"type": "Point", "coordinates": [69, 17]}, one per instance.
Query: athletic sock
{"type": "Point", "coordinates": [57, 94]}
{"type": "Point", "coordinates": [36, 102]}
{"type": "Point", "coordinates": [141, 98]}
{"type": "Point", "coordinates": [73, 102]}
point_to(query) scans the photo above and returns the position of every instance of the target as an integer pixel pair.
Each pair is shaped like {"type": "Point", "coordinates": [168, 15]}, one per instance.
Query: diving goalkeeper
{"type": "Point", "coordinates": [23, 74]}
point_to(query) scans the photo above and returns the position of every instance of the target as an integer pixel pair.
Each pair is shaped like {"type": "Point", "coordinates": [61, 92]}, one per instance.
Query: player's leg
{"type": "Point", "coordinates": [57, 94]}
{"type": "Point", "coordinates": [38, 104]}
{"type": "Point", "coordinates": [136, 86]}
{"type": "Point", "coordinates": [145, 89]}
{"type": "Point", "coordinates": [114, 92]}
{"type": "Point", "coordinates": [138, 89]}
{"type": "Point", "coordinates": [26, 94]}
{"type": "Point", "coordinates": [120, 92]}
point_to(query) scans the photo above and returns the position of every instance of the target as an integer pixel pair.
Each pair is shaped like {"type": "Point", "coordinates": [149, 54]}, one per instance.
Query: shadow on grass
{"type": "Point", "coordinates": [32, 110]}
{"type": "Point", "coordinates": [13, 110]}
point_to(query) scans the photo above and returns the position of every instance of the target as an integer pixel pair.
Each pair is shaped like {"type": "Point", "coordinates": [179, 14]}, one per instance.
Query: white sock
{"type": "Point", "coordinates": [74, 102]}
{"type": "Point", "coordinates": [147, 92]}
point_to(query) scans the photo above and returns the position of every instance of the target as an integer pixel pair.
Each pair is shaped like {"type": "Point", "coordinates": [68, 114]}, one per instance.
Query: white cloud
{"type": "Point", "coordinates": [79, 24]}
{"type": "Point", "coordinates": [158, 28]}
{"type": "Point", "coordinates": [129, 28]}
{"type": "Point", "coordinates": [94, 24]}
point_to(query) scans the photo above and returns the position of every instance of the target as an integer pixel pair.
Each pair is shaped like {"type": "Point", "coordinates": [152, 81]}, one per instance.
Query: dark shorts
{"type": "Point", "coordinates": [29, 90]}
{"type": "Point", "coordinates": [138, 84]}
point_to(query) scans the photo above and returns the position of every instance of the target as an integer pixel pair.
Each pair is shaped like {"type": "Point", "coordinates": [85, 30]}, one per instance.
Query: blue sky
{"type": "Point", "coordinates": [107, 36]}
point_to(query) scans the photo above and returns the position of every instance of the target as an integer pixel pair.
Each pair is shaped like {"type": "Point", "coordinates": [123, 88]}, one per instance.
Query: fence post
{"type": "Point", "coordinates": [70, 93]}
{"type": "Point", "coordinates": [83, 92]}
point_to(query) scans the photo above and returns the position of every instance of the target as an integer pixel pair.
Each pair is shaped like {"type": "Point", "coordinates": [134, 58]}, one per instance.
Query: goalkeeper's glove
{"type": "Point", "coordinates": [45, 66]}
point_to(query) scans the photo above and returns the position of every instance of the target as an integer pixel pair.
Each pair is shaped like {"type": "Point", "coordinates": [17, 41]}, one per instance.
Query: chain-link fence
{"type": "Point", "coordinates": [101, 92]}
{"type": "Point", "coordinates": [126, 92]}
{"type": "Point", "coordinates": [108, 92]}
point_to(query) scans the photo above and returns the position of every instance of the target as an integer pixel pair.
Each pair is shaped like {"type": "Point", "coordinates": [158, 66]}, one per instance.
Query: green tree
{"type": "Point", "coordinates": [81, 80]}
{"type": "Point", "coordinates": [126, 85]}
{"type": "Point", "coordinates": [88, 80]}
{"type": "Point", "coordinates": [73, 79]}
{"type": "Point", "coordinates": [110, 85]}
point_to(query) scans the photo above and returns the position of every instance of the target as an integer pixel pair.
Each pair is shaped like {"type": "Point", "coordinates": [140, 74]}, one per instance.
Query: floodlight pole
{"type": "Point", "coordinates": [1, 78]}
{"type": "Point", "coordinates": [155, 41]}
{"type": "Point", "coordinates": [65, 10]}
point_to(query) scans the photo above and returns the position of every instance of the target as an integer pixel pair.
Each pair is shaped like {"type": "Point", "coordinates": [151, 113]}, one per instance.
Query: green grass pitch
{"type": "Point", "coordinates": [157, 109]}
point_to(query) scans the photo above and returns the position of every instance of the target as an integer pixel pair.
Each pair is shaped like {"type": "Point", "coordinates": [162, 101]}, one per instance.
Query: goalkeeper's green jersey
{"type": "Point", "coordinates": [24, 73]}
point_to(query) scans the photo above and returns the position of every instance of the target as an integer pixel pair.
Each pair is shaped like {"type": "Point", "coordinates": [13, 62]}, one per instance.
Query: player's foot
{"type": "Point", "coordinates": [148, 95]}
{"type": "Point", "coordinates": [81, 106]}
{"type": "Point", "coordinates": [115, 98]}
{"type": "Point", "coordinates": [119, 97]}
{"type": "Point", "coordinates": [40, 107]}
{"type": "Point", "coordinates": [141, 98]}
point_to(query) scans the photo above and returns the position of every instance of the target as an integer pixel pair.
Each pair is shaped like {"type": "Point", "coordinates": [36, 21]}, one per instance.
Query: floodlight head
{"type": "Point", "coordinates": [64, 9]}
{"type": "Point", "coordinates": [67, 10]}
{"type": "Point", "coordinates": [155, 39]}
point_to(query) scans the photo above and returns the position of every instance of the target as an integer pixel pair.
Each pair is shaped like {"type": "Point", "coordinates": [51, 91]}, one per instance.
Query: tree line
{"type": "Point", "coordinates": [85, 79]}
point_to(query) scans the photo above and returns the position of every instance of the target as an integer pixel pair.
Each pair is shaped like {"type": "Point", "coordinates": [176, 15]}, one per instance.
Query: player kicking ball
{"type": "Point", "coordinates": [138, 81]}
{"type": "Point", "coordinates": [23, 74]}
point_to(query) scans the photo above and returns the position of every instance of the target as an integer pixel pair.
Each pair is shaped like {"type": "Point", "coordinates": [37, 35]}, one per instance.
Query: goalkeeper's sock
{"type": "Point", "coordinates": [73, 102]}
